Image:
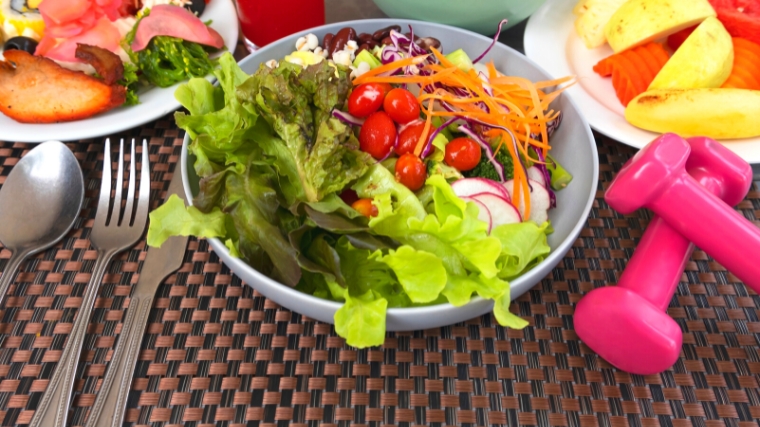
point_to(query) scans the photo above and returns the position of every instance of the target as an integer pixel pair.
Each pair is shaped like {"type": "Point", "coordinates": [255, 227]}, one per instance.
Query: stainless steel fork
{"type": "Point", "coordinates": [112, 233]}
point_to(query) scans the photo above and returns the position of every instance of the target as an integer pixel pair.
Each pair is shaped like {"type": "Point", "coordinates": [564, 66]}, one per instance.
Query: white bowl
{"type": "Point", "coordinates": [572, 145]}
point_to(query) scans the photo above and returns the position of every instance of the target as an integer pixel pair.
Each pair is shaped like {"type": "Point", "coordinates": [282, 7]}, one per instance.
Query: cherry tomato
{"type": "Point", "coordinates": [365, 207]}
{"type": "Point", "coordinates": [410, 171]}
{"type": "Point", "coordinates": [409, 137]}
{"type": "Point", "coordinates": [366, 99]}
{"type": "Point", "coordinates": [386, 87]}
{"type": "Point", "coordinates": [349, 196]}
{"type": "Point", "coordinates": [401, 105]}
{"type": "Point", "coordinates": [377, 135]}
{"type": "Point", "coordinates": [462, 154]}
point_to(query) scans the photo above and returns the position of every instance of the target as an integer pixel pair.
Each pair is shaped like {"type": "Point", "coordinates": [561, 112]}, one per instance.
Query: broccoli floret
{"type": "Point", "coordinates": [485, 169]}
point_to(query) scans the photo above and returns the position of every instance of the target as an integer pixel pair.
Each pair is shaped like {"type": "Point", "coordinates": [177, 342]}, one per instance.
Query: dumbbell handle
{"type": "Point", "coordinates": [660, 258]}
{"type": "Point", "coordinates": [713, 226]}
{"type": "Point", "coordinates": [655, 268]}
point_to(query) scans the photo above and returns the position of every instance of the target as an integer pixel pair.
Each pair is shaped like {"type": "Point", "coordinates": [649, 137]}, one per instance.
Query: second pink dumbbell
{"type": "Point", "coordinates": [627, 324]}
{"type": "Point", "coordinates": [656, 178]}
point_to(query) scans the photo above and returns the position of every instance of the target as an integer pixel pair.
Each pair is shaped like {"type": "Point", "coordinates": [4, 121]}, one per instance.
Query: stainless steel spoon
{"type": "Point", "coordinates": [39, 202]}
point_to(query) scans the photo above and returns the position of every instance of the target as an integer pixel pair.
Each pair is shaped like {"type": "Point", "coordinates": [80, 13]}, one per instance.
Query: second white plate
{"type": "Point", "coordinates": [551, 41]}
{"type": "Point", "coordinates": [154, 102]}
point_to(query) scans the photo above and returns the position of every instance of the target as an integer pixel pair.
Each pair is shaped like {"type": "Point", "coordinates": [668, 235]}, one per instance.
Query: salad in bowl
{"type": "Point", "coordinates": [362, 176]}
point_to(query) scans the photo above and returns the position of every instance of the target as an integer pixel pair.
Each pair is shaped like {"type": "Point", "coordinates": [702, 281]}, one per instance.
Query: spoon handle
{"type": "Point", "coordinates": [53, 409]}
{"type": "Point", "coordinates": [9, 273]}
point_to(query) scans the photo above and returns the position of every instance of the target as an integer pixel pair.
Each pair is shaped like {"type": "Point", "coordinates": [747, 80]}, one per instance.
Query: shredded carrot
{"type": "Point", "coordinates": [538, 85]}
{"type": "Point", "coordinates": [414, 60]}
{"type": "Point", "coordinates": [516, 108]}
{"type": "Point", "coordinates": [422, 80]}
{"type": "Point", "coordinates": [425, 130]}
{"type": "Point", "coordinates": [745, 73]}
{"type": "Point", "coordinates": [633, 70]}
{"type": "Point", "coordinates": [442, 59]}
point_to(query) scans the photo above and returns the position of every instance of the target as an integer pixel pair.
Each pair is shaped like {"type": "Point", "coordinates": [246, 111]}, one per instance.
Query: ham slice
{"type": "Point", "coordinates": [104, 35]}
{"type": "Point", "coordinates": [174, 21]}
{"type": "Point", "coordinates": [62, 11]}
{"type": "Point", "coordinates": [68, 22]}
{"type": "Point", "coordinates": [110, 8]}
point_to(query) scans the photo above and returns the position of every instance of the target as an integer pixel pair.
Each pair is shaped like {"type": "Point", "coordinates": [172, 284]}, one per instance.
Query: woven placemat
{"type": "Point", "coordinates": [218, 354]}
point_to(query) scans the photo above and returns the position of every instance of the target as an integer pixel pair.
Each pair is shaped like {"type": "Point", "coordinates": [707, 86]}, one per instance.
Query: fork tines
{"type": "Point", "coordinates": [125, 214]}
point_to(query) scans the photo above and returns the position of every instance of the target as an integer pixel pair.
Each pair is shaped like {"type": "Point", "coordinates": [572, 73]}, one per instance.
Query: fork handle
{"type": "Point", "coordinates": [53, 409]}
{"type": "Point", "coordinates": [111, 401]}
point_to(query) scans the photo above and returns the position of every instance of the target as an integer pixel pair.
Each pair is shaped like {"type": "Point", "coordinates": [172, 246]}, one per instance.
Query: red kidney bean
{"type": "Point", "coordinates": [327, 40]}
{"type": "Point", "coordinates": [385, 32]}
{"type": "Point", "coordinates": [387, 41]}
{"type": "Point", "coordinates": [365, 38]}
{"type": "Point", "coordinates": [341, 38]}
{"type": "Point", "coordinates": [408, 35]}
{"type": "Point", "coordinates": [428, 42]}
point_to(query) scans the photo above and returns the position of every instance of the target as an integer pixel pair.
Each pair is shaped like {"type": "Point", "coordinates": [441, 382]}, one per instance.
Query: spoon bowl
{"type": "Point", "coordinates": [39, 203]}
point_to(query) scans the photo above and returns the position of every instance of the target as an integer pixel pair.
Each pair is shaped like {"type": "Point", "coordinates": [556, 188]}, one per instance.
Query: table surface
{"type": "Point", "coordinates": [218, 354]}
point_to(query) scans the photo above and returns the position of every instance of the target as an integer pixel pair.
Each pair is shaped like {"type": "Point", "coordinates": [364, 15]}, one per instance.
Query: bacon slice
{"type": "Point", "coordinates": [37, 90]}
{"type": "Point", "coordinates": [106, 63]}
{"type": "Point", "coordinates": [174, 21]}
{"type": "Point", "coordinates": [129, 7]}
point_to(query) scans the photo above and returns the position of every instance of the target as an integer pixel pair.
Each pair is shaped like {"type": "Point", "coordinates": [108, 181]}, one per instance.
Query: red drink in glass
{"type": "Point", "coordinates": [264, 21]}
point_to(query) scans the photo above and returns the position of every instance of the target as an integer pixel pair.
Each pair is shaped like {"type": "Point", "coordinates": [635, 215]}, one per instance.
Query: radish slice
{"type": "Point", "coordinates": [502, 211]}
{"type": "Point", "coordinates": [484, 214]}
{"type": "Point", "coordinates": [539, 201]}
{"type": "Point", "coordinates": [535, 174]}
{"type": "Point", "coordinates": [470, 186]}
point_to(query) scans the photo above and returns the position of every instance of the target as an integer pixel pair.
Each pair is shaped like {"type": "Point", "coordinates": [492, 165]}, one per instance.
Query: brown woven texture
{"type": "Point", "coordinates": [218, 354]}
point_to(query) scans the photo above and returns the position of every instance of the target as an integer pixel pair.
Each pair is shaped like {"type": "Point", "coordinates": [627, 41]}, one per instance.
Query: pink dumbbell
{"type": "Point", "coordinates": [656, 178]}
{"type": "Point", "coordinates": [627, 324]}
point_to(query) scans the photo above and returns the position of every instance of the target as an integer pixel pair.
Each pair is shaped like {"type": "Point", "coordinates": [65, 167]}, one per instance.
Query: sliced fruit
{"type": "Point", "coordinates": [637, 22]}
{"type": "Point", "coordinates": [593, 15]}
{"type": "Point", "coordinates": [713, 112]}
{"type": "Point", "coordinates": [483, 213]}
{"type": "Point", "coordinates": [633, 70]}
{"type": "Point", "coordinates": [580, 8]}
{"type": "Point", "coordinates": [740, 17]}
{"type": "Point", "coordinates": [539, 201]}
{"type": "Point", "coordinates": [676, 40]}
{"type": "Point", "coordinates": [745, 73]}
{"type": "Point", "coordinates": [502, 212]}
{"type": "Point", "coordinates": [704, 60]}
{"type": "Point", "coordinates": [470, 186]}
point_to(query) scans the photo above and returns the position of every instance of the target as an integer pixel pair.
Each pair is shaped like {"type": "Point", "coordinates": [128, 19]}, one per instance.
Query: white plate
{"type": "Point", "coordinates": [154, 102]}
{"type": "Point", "coordinates": [551, 41]}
